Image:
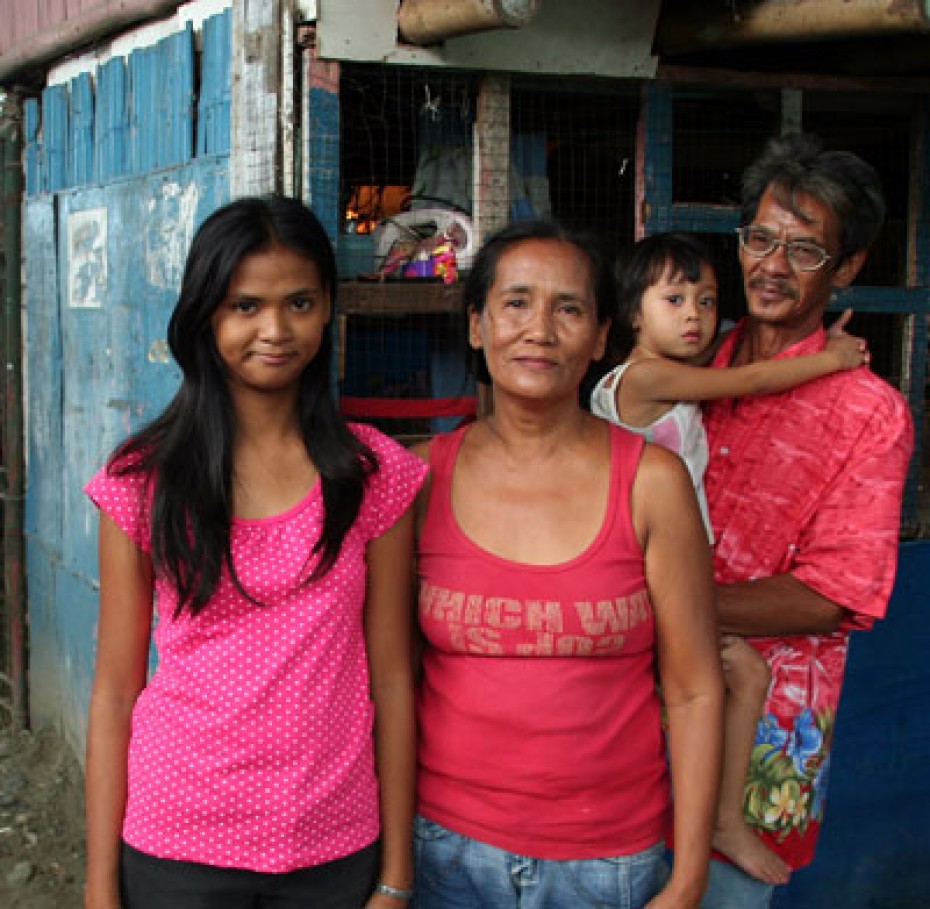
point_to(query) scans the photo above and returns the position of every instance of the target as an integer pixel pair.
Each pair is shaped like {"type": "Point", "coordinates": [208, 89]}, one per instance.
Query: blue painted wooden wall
{"type": "Point", "coordinates": [119, 171]}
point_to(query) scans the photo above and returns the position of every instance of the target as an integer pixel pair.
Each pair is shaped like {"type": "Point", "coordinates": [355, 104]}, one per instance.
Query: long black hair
{"type": "Point", "coordinates": [187, 450]}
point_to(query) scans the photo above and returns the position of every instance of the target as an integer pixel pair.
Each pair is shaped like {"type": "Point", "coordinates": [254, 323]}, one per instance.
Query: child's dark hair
{"type": "Point", "coordinates": [642, 265]}
{"type": "Point", "coordinates": [187, 450]}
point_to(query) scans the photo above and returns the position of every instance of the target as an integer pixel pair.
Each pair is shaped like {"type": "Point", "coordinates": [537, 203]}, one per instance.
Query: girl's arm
{"type": "Point", "coordinates": [123, 637]}
{"type": "Point", "coordinates": [661, 382]}
{"type": "Point", "coordinates": [387, 634]}
{"type": "Point", "coordinates": [418, 642]}
{"type": "Point", "coordinates": [680, 582]}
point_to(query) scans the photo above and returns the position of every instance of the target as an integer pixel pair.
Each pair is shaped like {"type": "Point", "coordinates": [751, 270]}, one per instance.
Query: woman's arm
{"type": "Point", "coordinates": [123, 636]}
{"type": "Point", "coordinates": [418, 642]}
{"type": "Point", "coordinates": [387, 634]}
{"type": "Point", "coordinates": [680, 582]}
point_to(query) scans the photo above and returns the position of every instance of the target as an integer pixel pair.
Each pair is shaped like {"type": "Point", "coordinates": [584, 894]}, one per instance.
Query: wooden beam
{"type": "Point", "coordinates": [742, 23]}
{"type": "Point", "coordinates": [733, 78]}
{"type": "Point", "coordinates": [255, 156]}
{"type": "Point", "coordinates": [491, 188]}
{"type": "Point", "coordinates": [432, 21]}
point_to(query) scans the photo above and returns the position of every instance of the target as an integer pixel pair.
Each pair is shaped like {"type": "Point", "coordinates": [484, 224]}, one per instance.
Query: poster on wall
{"type": "Point", "coordinates": [87, 258]}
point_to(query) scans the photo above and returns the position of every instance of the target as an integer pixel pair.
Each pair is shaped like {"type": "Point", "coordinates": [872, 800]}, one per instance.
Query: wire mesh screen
{"type": "Point", "coordinates": [718, 133]}
{"type": "Point", "coordinates": [587, 131]}
{"type": "Point", "coordinates": [879, 128]}
{"type": "Point", "coordinates": [6, 643]}
{"type": "Point", "coordinates": [404, 245]}
{"type": "Point", "coordinates": [406, 183]}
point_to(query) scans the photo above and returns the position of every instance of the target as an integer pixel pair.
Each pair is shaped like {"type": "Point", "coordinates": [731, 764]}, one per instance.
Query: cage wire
{"type": "Point", "coordinates": [404, 340]}
{"type": "Point", "coordinates": [407, 162]}
{"type": "Point", "coordinates": [717, 133]}
{"type": "Point", "coordinates": [6, 640]}
{"type": "Point", "coordinates": [406, 153]}
{"type": "Point", "coordinates": [585, 131]}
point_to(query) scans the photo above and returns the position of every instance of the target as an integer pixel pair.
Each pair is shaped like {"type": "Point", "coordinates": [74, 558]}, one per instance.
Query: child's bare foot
{"type": "Point", "coordinates": [739, 844]}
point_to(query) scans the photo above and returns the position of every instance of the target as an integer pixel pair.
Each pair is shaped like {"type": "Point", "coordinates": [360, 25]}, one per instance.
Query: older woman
{"type": "Point", "coordinates": [562, 565]}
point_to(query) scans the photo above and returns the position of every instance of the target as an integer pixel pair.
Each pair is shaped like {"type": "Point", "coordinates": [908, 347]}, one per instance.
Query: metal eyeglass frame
{"type": "Point", "coordinates": [789, 245]}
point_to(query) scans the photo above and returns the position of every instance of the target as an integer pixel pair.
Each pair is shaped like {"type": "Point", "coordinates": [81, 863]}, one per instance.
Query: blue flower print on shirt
{"type": "Point", "coordinates": [770, 733]}
{"type": "Point", "coordinates": [806, 740]}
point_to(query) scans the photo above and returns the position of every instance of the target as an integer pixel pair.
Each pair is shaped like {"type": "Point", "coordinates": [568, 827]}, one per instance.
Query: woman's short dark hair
{"type": "Point", "coordinates": [798, 164]}
{"type": "Point", "coordinates": [642, 265]}
{"type": "Point", "coordinates": [484, 270]}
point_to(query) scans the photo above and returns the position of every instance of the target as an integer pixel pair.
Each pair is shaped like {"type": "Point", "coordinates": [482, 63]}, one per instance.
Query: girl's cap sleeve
{"type": "Point", "coordinates": [124, 498]}
{"type": "Point", "coordinates": [391, 489]}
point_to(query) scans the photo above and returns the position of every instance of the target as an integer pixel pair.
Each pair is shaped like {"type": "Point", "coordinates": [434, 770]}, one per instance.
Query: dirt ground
{"type": "Point", "coordinates": [41, 822]}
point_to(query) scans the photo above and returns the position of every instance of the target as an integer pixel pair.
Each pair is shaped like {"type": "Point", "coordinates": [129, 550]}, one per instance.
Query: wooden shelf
{"type": "Point", "coordinates": [360, 298]}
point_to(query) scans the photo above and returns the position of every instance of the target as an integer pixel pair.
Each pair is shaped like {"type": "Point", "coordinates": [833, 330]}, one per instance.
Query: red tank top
{"type": "Point", "coordinates": [540, 725]}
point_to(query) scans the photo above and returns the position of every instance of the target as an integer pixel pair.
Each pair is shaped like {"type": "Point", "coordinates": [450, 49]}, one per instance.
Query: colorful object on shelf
{"type": "Point", "coordinates": [425, 243]}
{"type": "Point", "coordinates": [438, 262]}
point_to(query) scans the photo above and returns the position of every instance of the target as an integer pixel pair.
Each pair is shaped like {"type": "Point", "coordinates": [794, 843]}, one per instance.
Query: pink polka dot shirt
{"type": "Point", "coordinates": [252, 743]}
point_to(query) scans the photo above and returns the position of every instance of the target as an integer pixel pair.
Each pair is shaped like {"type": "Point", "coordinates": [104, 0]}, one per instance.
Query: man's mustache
{"type": "Point", "coordinates": [785, 288]}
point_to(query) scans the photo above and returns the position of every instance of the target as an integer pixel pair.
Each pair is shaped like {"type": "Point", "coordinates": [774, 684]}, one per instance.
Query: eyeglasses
{"type": "Point", "coordinates": [802, 254]}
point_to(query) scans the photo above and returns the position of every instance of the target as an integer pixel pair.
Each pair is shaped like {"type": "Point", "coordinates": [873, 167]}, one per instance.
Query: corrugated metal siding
{"type": "Point", "coordinates": [141, 117]}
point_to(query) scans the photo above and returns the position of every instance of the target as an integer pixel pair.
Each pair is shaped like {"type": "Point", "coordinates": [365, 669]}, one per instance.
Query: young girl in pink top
{"type": "Point", "coordinates": [274, 543]}
{"type": "Point", "coordinates": [667, 319]}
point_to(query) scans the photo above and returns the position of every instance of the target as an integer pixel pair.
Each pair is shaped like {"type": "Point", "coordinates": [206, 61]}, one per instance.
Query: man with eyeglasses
{"type": "Point", "coordinates": [804, 487]}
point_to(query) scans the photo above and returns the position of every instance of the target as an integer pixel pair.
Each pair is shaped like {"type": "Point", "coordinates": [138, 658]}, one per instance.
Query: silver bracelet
{"type": "Point", "coordinates": [394, 892]}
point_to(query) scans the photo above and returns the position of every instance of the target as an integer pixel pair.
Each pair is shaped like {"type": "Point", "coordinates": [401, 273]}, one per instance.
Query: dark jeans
{"type": "Point", "coordinates": [147, 882]}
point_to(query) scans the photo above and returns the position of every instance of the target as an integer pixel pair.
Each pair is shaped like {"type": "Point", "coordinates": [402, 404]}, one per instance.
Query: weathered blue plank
{"type": "Point", "coordinates": [81, 131]}
{"type": "Point", "coordinates": [87, 243]}
{"type": "Point", "coordinates": [43, 343]}
{"type": "Point", "coordinates": [658, 139]}
{"type": "Point", "coordinates": [175, 204]}
{"type": "Point", "coordinates": [55, 135]}
{"type": "Point", "coordinates": [323, 154]}
{"type": "Point", "coordinates": [111, 136]}
{"type": "Point", "coordinates": [143, 110]}
{"type": "Point", "coordinates": [888, 300]}
{"type": "Point", "coordinates": [213, 120]}
{"type": "Point", "coordinates": [35, 163]}
{"type": "Point", "coordinates": [174, 93]}
{"type": "Point", "coordinates": [114, 369]}
{"type": "Point", "coordinates": [699, 218]}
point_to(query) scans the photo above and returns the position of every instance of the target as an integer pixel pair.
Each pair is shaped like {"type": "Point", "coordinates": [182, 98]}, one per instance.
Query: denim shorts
{"type": "Point", "coordinates": [730, 888]}
{"type": "Point", "coordinates": [456, 872]}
